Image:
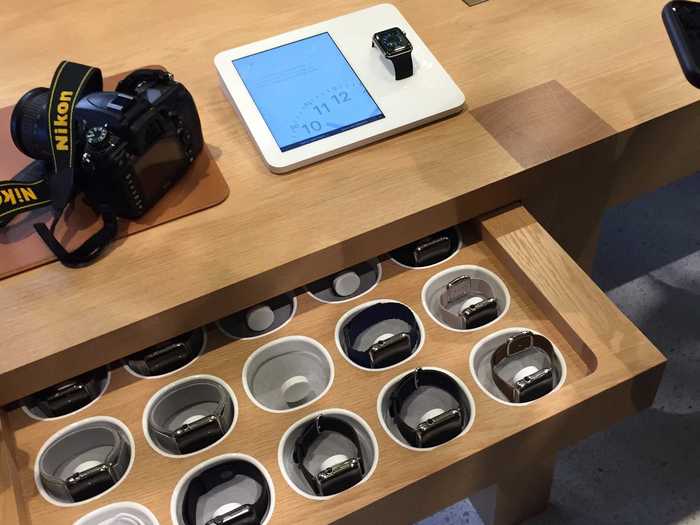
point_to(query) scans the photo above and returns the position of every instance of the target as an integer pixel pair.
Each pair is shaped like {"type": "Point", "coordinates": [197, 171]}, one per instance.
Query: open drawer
{"type": "Point", "coordinates": [504, 456]}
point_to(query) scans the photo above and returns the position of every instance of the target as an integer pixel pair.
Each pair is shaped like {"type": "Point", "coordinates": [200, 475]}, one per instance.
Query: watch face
{"type": "Point", "coordinates": [393, 42]}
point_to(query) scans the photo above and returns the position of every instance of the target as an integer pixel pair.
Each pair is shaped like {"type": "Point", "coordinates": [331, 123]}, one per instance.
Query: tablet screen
{"type": "Point", "coordinates": [306, 91]}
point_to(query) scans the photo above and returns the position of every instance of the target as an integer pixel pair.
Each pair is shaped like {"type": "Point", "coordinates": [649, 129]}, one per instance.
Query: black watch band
{"type": "Point", "coordinates": [169, 355]}
{"type": "Point", "coordinates": [69, 396]}
{"type": "Point", "coordinates": [336, 478]}
{"type": "Point", "coordinates": [436, 430]}
{"type": "Point", "coordinates": [248, 514]}
{"type": "Point", "coordinates": [532, 386]}
{"type": "Point", "coordinates": [403, 66]}
{"type": "Point", "coordinates": [389, 351]}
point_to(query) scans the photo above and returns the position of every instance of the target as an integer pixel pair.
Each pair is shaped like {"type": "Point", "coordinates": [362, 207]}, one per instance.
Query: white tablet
{"type": "Point", "coordinates": [324, 89]}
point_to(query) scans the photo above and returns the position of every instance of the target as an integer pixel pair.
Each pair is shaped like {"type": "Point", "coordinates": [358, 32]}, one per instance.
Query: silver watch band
{"type": "Point", "coordinates": [456, 293]}
{"type": "Point", "coordinates": [186, 437]}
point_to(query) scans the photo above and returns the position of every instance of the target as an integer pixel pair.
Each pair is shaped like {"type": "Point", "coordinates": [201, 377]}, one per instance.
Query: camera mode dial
{"type": "Point", "coordinates": [97, 136]}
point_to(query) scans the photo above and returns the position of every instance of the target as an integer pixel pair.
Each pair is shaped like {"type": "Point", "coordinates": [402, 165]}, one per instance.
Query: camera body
{"type": "Point", "coordinates": [130, 145]}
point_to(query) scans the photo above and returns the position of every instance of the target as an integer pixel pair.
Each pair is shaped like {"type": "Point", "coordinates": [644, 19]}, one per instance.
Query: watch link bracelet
{"type": "Point", "coordinates": [395, 46]}
{"type": "Point", "coordinates": [435, 430]}
{"type": "Point", "coordinates": [340, 476]}
{"type": "Point", "coordinates": [69, 396]}
{"type": "Point", "coordinates": [532, 386]}
{"type": "Point", "coordinates": [472, 316]}
{"type": "Point", "coordinates": [190, 437]}
{"type": "Point", "coordinates": [247, 514]}
{"type": "Point", "coordinates": [388, 351]}
{"type": "Point", "coordinates": [167, 356]}
{"type": "Point", "coordinates": [93, 481]}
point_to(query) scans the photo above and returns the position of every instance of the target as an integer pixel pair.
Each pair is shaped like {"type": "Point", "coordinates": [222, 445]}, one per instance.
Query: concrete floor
{"type": "Point", "coordinates": [646, 469]}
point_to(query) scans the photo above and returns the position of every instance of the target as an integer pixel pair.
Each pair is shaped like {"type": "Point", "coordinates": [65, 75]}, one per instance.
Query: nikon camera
{"type": "Point", "coordinates": [131, 145]}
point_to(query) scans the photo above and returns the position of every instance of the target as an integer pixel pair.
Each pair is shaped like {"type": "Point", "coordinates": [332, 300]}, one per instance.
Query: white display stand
{"type": "Point", "coordinates": [430, 94]}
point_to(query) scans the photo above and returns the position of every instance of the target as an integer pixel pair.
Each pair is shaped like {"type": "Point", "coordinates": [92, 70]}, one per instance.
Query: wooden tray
{"type": "Point", "coordinates": [613, 371]}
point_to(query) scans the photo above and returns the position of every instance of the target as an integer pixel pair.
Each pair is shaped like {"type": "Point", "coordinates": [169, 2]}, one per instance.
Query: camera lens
{"type": "Point", "coordinates": [29, 124]}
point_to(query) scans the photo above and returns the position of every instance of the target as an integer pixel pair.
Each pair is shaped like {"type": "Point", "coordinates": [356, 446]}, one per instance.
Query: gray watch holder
{"type": "Point", "coordinates": [369, 272]}
{"type": "Point", "coordinates": [329, 444]}
{"type": "Point", "coordinates": [419, 404]}
{"type": "Point", "coordinates": [480, 363]}
{"type": "Point", "coordinates": [67, 452]}
{"type": "Point", "coordinates": [288, 373]}
{"type": "Point", "coordinates": [188, 411]}
{"type": "Point", "coordinates": [437, 284]}
{"type": "Point", "coordinates": [234, 326]}
{"type": "Point", "coordinates": [222, 498]}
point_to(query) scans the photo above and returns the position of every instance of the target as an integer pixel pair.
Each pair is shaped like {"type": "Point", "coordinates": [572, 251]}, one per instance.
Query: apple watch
{"type": "Point", "coordinates": [247, 514]}
{"type": "Point", "coordinates": [428, 250]}
{"type": "Point", "coordinates": [435, 430]}
{"type": "Point", "coordinates": [532, 386]}
{"type": "Point", "coordinates": [70, 395]}
{"type": "Point", "coordinates": [90, 482]}
{"type": "Point", "coordinates": [169, 355]}
{"type": "Point", "coordinates": [469, 316]}
{"type": "Point", "coordinates": [385, 352]}
{"type": "Point", "coordinates": [343, 474]}
{"type": "Point", "coordinates": [395, 46]}
{"type": "Point", "coordinates": [194, 435]}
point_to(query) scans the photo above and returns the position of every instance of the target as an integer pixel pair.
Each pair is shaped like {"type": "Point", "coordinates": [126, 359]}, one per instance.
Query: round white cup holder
{"type": "Point", "coordinates": [288, 373]}
{"type": "Point", "coordinates": [427, 402]}
{"type": "Point", "coordinates": [329, 449]}
{"type": "Point", "coordinates": [122, 513]}
{"type": "Point", "coordinates": [519, 366]}
{"type": "Point", "coordinates": [70, 466]}
{"type": "Point", "coordinates": [469, 287]}
{"type": "Point", "coordinates": [237, 488]}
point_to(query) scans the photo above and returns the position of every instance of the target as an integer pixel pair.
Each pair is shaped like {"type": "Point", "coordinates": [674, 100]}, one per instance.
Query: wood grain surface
{"type": "Point", "coordinates": [278, 232]}
{"type": "Point", "coordinates": [612, 371]}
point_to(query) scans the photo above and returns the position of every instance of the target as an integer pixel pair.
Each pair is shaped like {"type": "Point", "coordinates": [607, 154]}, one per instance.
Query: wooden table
{"type": "Point", "coordinates": [572, 106]}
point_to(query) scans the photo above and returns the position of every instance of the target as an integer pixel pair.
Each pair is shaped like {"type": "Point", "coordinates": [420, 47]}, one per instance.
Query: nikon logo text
{"type": "Point", "coordinates": [17, 195]}
{"type": "Point", "coordinates": [61, 124]}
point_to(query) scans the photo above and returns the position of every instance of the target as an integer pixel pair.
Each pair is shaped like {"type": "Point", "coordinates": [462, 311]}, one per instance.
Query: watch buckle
{"type": "Point", "coordinates": [517, 340]}
{"type": "Point", "coordinates": [458, 288]}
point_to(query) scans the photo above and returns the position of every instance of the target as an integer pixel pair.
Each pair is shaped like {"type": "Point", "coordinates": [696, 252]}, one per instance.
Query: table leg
{"type": "Point", "coordinates": [513, 500]}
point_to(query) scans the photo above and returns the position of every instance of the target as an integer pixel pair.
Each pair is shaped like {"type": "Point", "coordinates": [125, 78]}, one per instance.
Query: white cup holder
{"type": "Point", "coordinates": [240, 480]}
{"type": "Point", "coordinates": [259, 320]}
{"type": "Point", "coordinates": [425, 403]}
{"type": "Point", "coordinates": [328, 449]}
{"type": "Point", "coordinates": [84, 461]}
{"type": "Point", "coordinates": [356, 338]}
{"type": "Point", "coordinates": [190, 415]}
{"type": "Point", "coordinates": [475, 298]}
{"type": "Point", "coordinates": [122, 513]}
{"type": "Point", "coordinates": [429, 251]}
{"type": "Point", "coordinates": [288, 373]}
{"type": "Point", "coordinates": [347, 284]}
{"type": "Point", "coordinates": [515, 368]}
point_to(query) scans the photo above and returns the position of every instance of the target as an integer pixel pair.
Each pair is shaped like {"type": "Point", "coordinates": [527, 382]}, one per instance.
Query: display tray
{"type": "Point", "coordinates": [611, 371]}
{"type": "Point", "coordinates": [203, 186]}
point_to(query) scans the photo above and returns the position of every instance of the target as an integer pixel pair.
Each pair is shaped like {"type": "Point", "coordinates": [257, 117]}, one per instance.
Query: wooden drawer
{"type": "Point", "coordinates": [613, 371]}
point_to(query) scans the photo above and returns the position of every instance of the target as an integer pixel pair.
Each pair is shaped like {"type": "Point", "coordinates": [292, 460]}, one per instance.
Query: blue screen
{"type": "Point", "coordinates": [306, 91]}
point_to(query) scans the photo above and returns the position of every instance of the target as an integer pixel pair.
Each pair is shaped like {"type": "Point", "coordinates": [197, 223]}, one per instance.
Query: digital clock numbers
{"type": "Point", "coordinates": [306, 91]}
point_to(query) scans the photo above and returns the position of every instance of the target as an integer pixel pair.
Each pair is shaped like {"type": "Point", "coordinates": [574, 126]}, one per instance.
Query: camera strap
{"type": "Point", "coordinates": [69, 83]}
{"type": "Point", "coordinates": [28, 190]}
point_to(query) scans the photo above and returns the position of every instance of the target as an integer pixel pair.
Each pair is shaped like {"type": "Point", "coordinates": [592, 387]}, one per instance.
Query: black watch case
{"type": "Point", "coordinates": [392, 42]}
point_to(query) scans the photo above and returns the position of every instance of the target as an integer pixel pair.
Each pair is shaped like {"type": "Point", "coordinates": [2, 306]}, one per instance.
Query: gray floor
{"type": "Point", "coordinates": [645, 470]}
